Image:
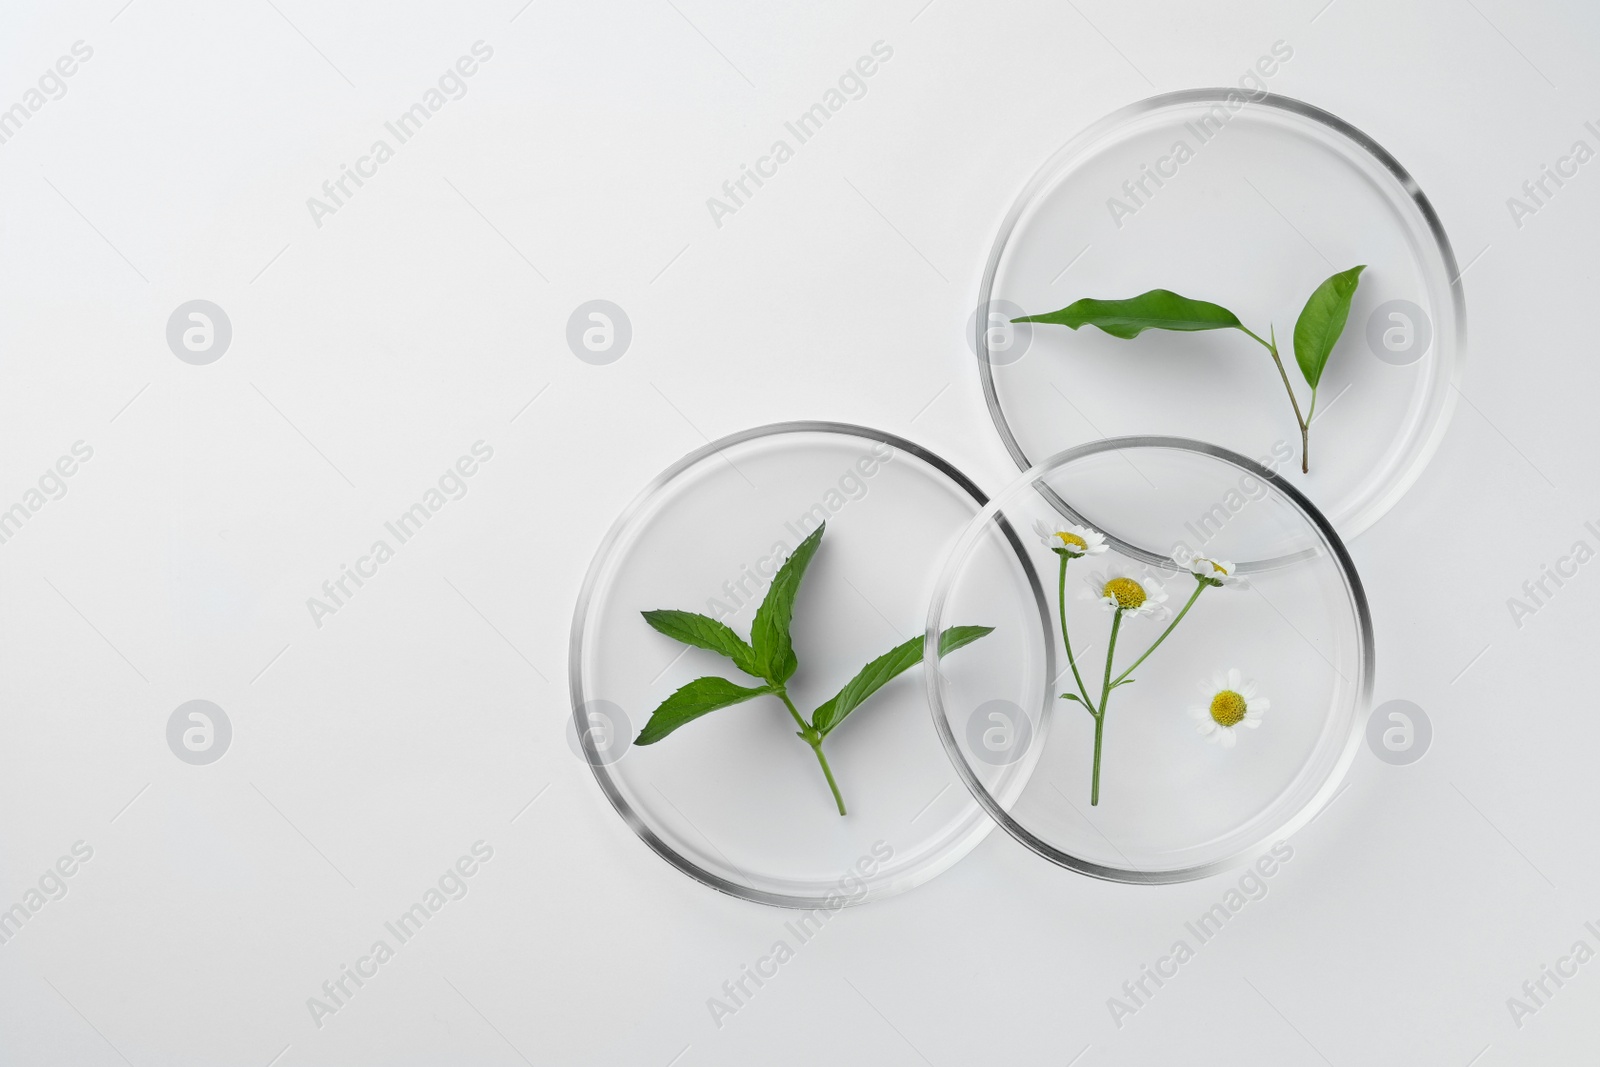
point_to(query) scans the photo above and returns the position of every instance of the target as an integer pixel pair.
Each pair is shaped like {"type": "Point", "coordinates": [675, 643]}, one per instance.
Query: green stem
{"type": "Point", "coordinates": [1303, 422]}
{"type": "Point", "coordinates": [783, 695]}
{"type": "Point", "coordinates": [809, 735]}
{"type": "Point", "coordinates": [1094, 785]}
{"type": "Point", "coordinates": [1061, 603]}
{"type": "Point", "coordinates": [1199, 587]}
{"type": "Point", "coordinates": [828, 773]}
{"type": "Point", "coordinates": [1305, 434]}
{"type": "Point", "coordinates": [1100, 716]}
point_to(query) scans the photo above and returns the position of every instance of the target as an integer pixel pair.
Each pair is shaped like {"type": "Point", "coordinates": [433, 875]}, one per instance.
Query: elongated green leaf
{"type": "Point", "coordinates": [692, 701]}
{"type": "Point", "coordinates": [875, 675]}
{"type": "Point", "coordinates": [1322, 321]}
{"type": "Point", "coordinates": [769, 634]}
{"type": "Point", "coordinates": [1159, 309]}
{"type": "Point", "coordinates": [704, 632]}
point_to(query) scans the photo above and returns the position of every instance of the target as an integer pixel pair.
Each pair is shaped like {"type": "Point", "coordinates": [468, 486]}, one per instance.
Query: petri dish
{"type": "Point", "coordinates": [735, 799]}
{"type": "Point", "coordinates": [1249, 202]}
{"type": "Point", "coordinates": [1172, 806]}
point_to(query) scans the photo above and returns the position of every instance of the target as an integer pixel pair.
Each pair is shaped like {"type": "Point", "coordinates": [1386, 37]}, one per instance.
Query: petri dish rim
{"type": "Point", "coordinates": [1084, 141]}
{"type": "Point", "coordinates": [1365, 644]}
{"type": "Point", "coordinates": [620, 526]}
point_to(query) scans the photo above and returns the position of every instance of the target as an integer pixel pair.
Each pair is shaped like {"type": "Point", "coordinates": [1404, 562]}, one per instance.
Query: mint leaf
{"type": "Point", "coordinates": [692, 701]}
{"type": "Point", "coordinates": [1159, 309]}
{"type": "Point", "coordinates": [875, 675]}
{"type": "Point", "coordinates": [707, 633]}
{"type": "Point", "coordinates": [1322, 321]}
{"type": "Point", "coordinates": [769, 634]}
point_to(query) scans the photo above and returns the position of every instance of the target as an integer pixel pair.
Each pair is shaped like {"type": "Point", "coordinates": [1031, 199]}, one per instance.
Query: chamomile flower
{"type": "Point", "coordinates": [1069, 539]}
{"type": "Point", "coordinates": [1231, 701]}
{"type": "Point", "coordinates": [1211, 571]}
{"type": "Point", "coordinates": [1141, 597]}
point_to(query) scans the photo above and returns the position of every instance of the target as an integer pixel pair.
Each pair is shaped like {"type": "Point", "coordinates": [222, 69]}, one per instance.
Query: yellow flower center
{"type": "Point", "coordinates": [1228, 708]}
{"type": "Point", "coordinates": [1072, 540]}
{"type": "Point", "coordinates": [1217, 567]}
{"type": "Point", "coordinates": [1126, 592]}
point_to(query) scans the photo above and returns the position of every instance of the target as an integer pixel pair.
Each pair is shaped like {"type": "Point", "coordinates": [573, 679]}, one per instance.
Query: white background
{"type": "Point", "coordinates": [372, 351]}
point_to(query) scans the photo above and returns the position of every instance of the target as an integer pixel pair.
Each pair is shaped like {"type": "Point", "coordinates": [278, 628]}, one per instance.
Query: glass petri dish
{"type": "Point", "coordinates": [1249, 203]}
{"type": "Point", "coordinates": [734, 799]}
{"type": "Point", "coordinates": [1172, 807]}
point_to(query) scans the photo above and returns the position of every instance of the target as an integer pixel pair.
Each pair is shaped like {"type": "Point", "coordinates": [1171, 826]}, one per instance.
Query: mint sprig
{"type": "Point", "coordinates": [769, 656]}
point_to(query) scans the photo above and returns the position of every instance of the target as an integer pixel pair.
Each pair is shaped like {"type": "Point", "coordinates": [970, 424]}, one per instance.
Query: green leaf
{"type": "Point", "coordinates": [704, 632]}
{"type": "Point", "coordinates": [1159, 309]}
{"type": "Point", "coordinates": [1320, 324]}
{"type": "Point", "coordinates": [769, 634]}
{"type": "Point", "coordinates": [875, 675]}
{"type": "Point", "coordinates": [692, 701]}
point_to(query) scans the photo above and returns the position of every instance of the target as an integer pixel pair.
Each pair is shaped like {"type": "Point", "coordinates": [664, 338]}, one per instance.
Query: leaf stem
{"type": "Point", "coordinates": [1199, 587]}
{"type": "Point", "coordinates": [1304, 422]}
{"type": "Point", "coordinates": [810, 736]}
{"type": "Point", "coordinates": [1061, 603]}
{"type": "Point", "coordinates": [782, 694]}
{"type": "Point", "coordinates": [1305, 434]}
{"type": "Point", "coordinates": [828, 773]}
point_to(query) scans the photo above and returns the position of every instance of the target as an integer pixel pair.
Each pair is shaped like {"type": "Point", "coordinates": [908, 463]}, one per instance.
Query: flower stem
{"type": "Point", "coordinates": [809, 735]}
{"type": "Point", "coordinates": [1094, 784]}
{"type": "Point", "coordinates": [1061, 603]}
{"type": "Point", "coordinates": [1199, 587]}
{"type": "Point", "coordinates": [1100, 716]}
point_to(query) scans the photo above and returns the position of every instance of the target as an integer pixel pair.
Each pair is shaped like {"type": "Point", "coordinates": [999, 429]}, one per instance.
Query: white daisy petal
{"type": "Point", "coordinates": [1230, 702]}
{"type": "Point", "coordinates": [1072, 540]}
{"type": "Point", "coordinates": [1209, 571]}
